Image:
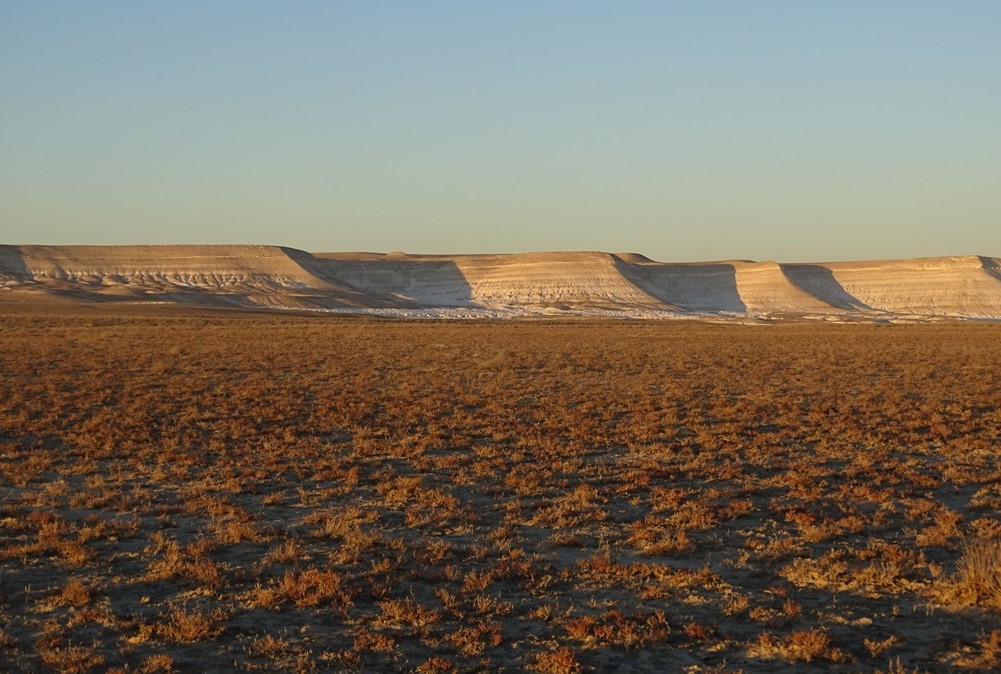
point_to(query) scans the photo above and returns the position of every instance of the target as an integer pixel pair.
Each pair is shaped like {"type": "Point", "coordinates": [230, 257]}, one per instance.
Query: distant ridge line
{"type": "Point", "coordinates": [550, 283]}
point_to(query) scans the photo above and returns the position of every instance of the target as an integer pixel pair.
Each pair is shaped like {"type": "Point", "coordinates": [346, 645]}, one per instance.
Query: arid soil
{"type": "Point", "coordinates": [222, 492]}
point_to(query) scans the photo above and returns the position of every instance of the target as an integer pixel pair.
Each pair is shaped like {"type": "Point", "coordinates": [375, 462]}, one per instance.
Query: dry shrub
{"type": "Point", "coordinates": [614, 628]}
{"type": "Point", "coordinates": [190, 626]}
{"type": "Point", "coordinates": [736, 604]}
{"type": "Point", "coordinates": [432, 506]}
{"type": "Point", "coordinates": [397, 493]}
{"type": "Point", "coordinates": [698, 632]}
{"type": "Point", "coordinates": [68, 658]}
{"type": "Point", "coordinates": [161, 662]}
{"type": "Point", "coordinates": [355, 527]}
{"type": "Point", "coordinates": [405, 612]}
{"type": "Point", "coordinates": [883, 568]}
{"type": "Point", "coordinates": [578, 507]}
{"type": "Point", "coordinates": [435, 665]}
{"type": "Point", "coordinates": [75, 593]}
{"type": "Point", "coordinates": [190, 562]}
{"type": "Point", "coordinates": [287, 551]}
{"type": "Point", "coordinates": [557, 661]}
{"type": "Point", "coordinates": [269, 646]}
{"type": "Point", "coordinates": [311, 587]}
{"type": "Point", "coordinates": [367, 640]}
{"type": "Point", "coordinates": [475, 639]}
{"type": "Point", "coordinates": [876, 648]}
{"type": "Point", "coordinates": [990, 651]}
{"type": "Point", "coordinates": [74, 553]}
{"type": "Point", "coordinates": [987, 498]}
{"type": "Point", "coordinates": [229, 531]}
{"type": "Point", "coordinates": [799, 646]}
{"type": "Point", "coordinates": [979, 572]}
{"type": "Point", "coordinates": [491, 606]}
{"type": "Point", "coordinates": [942, 531]}
{"type": "Point", "coordinates": [651, 537]}
{"type": "Point", "coordinates": [274, 499]}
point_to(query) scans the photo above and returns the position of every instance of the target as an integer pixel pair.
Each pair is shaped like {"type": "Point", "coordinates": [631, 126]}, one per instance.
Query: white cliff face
{"type": "Point", "coordinates": [210, 267]}
{"type": "Point", "coordinates": [536, 280]}
{"type": "Point", "coordinates": [583, 283]}
{"type": "Point", "coordinates": [948, 286]}
{"type": "Point", "coordinates": [584, 280]}
{"type": "Point", "coordinates": [251, 276]}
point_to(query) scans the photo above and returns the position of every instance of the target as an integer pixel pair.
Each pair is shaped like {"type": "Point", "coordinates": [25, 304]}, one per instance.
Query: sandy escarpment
{"type": "Point", "coordinates": [241, 275]}
{"type": "Point", "coordinates": [627, 284]}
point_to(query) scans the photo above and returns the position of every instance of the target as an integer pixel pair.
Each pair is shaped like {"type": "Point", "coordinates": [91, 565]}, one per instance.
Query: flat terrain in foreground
{"type": "Point", "coordinates": [240, 492]}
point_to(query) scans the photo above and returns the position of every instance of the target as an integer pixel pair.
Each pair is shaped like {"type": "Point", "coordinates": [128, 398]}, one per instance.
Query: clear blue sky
{"type": "Point", "coordinates": [792, 130]}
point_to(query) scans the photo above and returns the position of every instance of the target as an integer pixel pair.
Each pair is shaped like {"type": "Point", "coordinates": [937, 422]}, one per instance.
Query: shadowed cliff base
{"type": "Point", "coordinates": [12, 267]}
{"type": "Point", "coordinates": [992, 266]}
{"type": "Point", "coordinates": [414, 282]}
{"type": "Point", "coordinates": [819, 281]}
{"type": "Point", "coordinates": [688, 287]}
{"type": "Point", "coordinates": [347, 293]}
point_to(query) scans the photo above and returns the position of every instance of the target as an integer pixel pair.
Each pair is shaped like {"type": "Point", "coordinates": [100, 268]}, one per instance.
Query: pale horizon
{"type": "Point", "coordinates": [681, 131]}
{"type": "Point", "coordinates": [487, 253]}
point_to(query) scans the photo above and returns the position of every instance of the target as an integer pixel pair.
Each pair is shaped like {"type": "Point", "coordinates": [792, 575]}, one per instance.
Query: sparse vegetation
{"type": "Point", "coordinates": [184, 491]}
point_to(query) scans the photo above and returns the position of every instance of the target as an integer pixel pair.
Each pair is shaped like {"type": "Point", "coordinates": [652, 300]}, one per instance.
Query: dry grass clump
{"type": "Point", "coordinates": [185, 491]}
{"type": "Point", "coordinates": [157, 663]}
{"type": "Point", "coordinates": [312, 587]}
{"type": "Point", "coordinates": [799, 646]}
{"type": "Point", "coordinates": [171, 560]}
{"type": "Point", "coordinates": [74, 593]}
{"type": "Point", "coordinates": [556, 661]}
{"type": "Point", "coordinates": [614, 628]}
{"type": "Point", "coordinates": [987, 655]}
{"type": "Point", "coordinates": [67, 657]}
{"type": "Point", "coordinates": [979, 572]}
{"type": "Point", "coordinates": [187, 626]}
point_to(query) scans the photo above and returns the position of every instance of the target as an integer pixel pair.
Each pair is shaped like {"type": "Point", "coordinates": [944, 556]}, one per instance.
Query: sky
{"type": "Point", "coordinates": [711, 129]}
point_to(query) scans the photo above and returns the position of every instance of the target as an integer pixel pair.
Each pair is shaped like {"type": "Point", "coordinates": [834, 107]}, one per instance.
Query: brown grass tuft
{"type": "Point", "coordinates": [556, 661]}
{"type": "Point", "coordinates": [189, 626]}
{"type": "Point", "coordinates": [979, 572]}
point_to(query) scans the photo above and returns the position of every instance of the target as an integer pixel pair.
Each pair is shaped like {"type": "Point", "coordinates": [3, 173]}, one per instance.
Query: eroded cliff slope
{"type": "Point", "coordinates": [625, 284]}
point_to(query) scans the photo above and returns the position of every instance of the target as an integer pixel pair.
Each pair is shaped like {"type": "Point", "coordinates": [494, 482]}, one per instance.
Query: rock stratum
{"type": "Point", "coordinates": [529, 284]}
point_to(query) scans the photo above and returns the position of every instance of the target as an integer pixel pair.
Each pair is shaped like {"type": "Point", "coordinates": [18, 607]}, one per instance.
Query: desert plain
{"type": "Point", "coordinates": [201, 489]}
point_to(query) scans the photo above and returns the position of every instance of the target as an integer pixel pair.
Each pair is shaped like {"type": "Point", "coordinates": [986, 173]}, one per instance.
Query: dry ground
{"type": "Point", "coordinates": [238, 492]}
